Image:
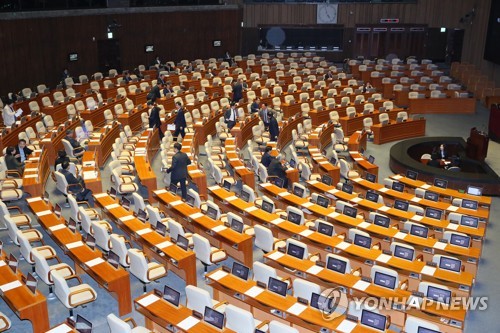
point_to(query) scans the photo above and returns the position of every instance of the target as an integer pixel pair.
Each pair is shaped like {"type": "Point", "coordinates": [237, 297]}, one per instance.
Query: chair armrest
{"type": "Point", "coordinates": [131, 320]}
{"type": "Point", "coordinates": [16, 208]}
{"type": "Point", "coordinates": [262, 324]}
{"type": "Point", "coordinates": [39, 239]}
{"type": "Point", "coordinates": [155, 267]}
{"type": "Point", "coordinates": [395, 226]}
{"type": "Point", "coordinates": [357, 270]}
{"type": "Point", "coordinates": [220, 304]}
{"type": "Point", "coordinates": [315, 254]}
{"type": "Point", "coordinates": [13, 172]}
{"type": "Point", "coordinates": [80, 292]}
{"type": "Point", "coordinates": [74, 276]}
{"type": "Point", "coordinates": [52, 255]}
{"type": "Point", "coordinates": [377, 245]}
{"type": "Point", "coordinates": [420, 257]}
{"type": "Point", "coordinates": [342, 235]}
{"type": "Point", "coordinates": [216, 251]}
{"type": "Point", "coordinates": [290, 284]}
{"type": "Point", "coordinates": [73, 186]}
{"type": "Point", "coordinates": [404, 282]}
{"type": "Point", "coordinates": [83, 203]}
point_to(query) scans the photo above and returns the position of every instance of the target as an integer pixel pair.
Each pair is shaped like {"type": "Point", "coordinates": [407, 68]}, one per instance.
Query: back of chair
{"type": "Point", "coordinates": [61, 183]}
{"type": "Point", "coordinates": [197, 299]}
{"type": "Point", "coordinates": [277, 327]}
{"type": "Point", "coordinates": [101, 236]}
{"type": "Point", "coordinates": [262, 272]}
{"type": "Point", "coordinates": [61, 288]}
{"type": "Point", "coordinates": [116, 325]}
{"type": "Point", "coordinates": [138, 264]}
{"type": "Point", "coordinates": [304, 289]}
{"type": "Point", "coordinates": [120, 248]}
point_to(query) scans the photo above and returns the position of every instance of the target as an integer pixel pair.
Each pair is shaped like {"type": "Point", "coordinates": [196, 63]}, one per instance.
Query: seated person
{"type": "Point", "coordinates": [62, 157]}
{"type": "Point", "coordinates": [22, 152]}
{"type": "Point", "coordinates": [12, 162]}
{"type": "Point", "coordinates": [75, 185]}
{"type": "Point", "coordinates": [78, 149]}
{"type": "Point", "coordinates": [266, 157]}
{"type": "Point", "coordinates": [255, 107]}
{"type": "Point", "coordinates": [277, 169]}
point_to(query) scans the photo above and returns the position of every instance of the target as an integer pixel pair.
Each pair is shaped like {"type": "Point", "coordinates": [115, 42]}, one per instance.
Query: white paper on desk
{"type": "Point", "coordinates": [219, 228]}
{"type": "Point", "coordinates": [100, 195]}
{"type": "Point", "coordinates": [30, 169]}
{"type": "Point", "coordinates": [63, 328]}
{"type": "Point", "coordinates": [364, 225]}
{"type": "Point", "coordinates": [89, 174]}
{"type": "Point", "coordinates": [452, 208]}
{"type": "Point", "coordinates": [425, 186]}
{"type": "Point", "coordinates": [127, 218]}
{"type": "Point", "coordinates": [144, 231]}
{"type": "Point", "coordinates": [233, 159]}
{"type": "Point", "coordinates": [384, 208]}
{"type": "Point", "coordinates": [342, 245]}
{"type": "Point", "coordinates": [416, 217]}
{"type": "Point", "coordinates": [297, 309]}
{"type": "Point", "coordinates": [161, 191]}
{"type": "Point", "coordinates": [428, 270]}
{"type": "Point", "coordinates": [359, 159]}
{"type": "Point", "coordinates": [275, 255]}
{"type": "Point", "coordinates": [357, 180]}
{"type": "Point", "coordinates": [29, 200]}
{"type": "Point", "coordinates": [218, 275]}
{"type": "Point", "coordinates": [74, 244]}
{"type": "Point", "coordinates": [333, 191]}
{"type": "Point", "coordinates": [195, 171]}
{"type": "Point", "coordinates": [112, 206]}
{"type": "Point", "coordinates": [324, 162]}
{"type": "Point", "coordinates": [195, 216]}
{"type": "Point", "coordinates": [400, 235]}
{"type": "Point", "coordinates": [284, 194]}
{"type": "Point", "coordinates": [231, 198]}
{"type": "Point", "coordinates": [313, 182]}
{"type": "Point", "coordinates": [307, 204]}
{"type": "Point", "coordinates": [42, 213]}
{"type": "Point", "coordinates": [175, 203]}
{"type": "Point", "coordinates": [356, 200]}
{"type": "Point", "coordinates": [94, 262]}
{"type": "Point", "coordinates": [164, 244]}
{"type": "Point", "coordinates": [2, 263]}
{"type": "Point", "coordinates": [317, 155]}
{"type": "Point", "coordinates": [213, 188]}
{"type": "Point", "coordinates": [306, 232]}
{"type": "Point", "coordinates": [346, 326]}
{"type": "Point", "coordinates": [239, 167]}
{"type": "Point", "coordinates": [265, 184]}
{"type": "Point", "coordinates": [361, 285]}
{"type": "Point", "coordinates": [37, 151]}
{"type": "Point", "coordinates": [254, 291]}
{"type": "Point", "coordinates": [333, 215]}
{"type": "Point", "coordinates": [95, 140]}
{"type": "Point", "coordinates": [34, 175]}
{"type": "Point", "coordinates": [148, 300]}
{"type": "Point", "coordinates": [452, 226]}
{"type": "Point", "coordinates": [354, 152]}
{"type": "Point", "coordinates": [383, 258]}
{"type": "Point", "coordinates": [57, 227]}
{"type": "Point", "coordinates": [383, 189]}
{"type": "Point", "coordinates": [11, 285]}
{"type": "Point", "coordinates": [314, 270]}
{"type": "Point", "coordinates": [397, 177]}
{"type": "Point", "coordinates": [187, 323]}
{"type": "Point", "coordinates": [277, 221]}
{"type": "Point", "coordinates": [440, 245]}
{"type": "Point", "coordinates": [250, 209]}
{"type": "Point", "coordinates": [416, 199]}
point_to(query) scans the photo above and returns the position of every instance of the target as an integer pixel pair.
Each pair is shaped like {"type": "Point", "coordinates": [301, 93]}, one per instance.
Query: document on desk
{"type": "Point", "coordinates": [284, 194]}
{"type": "Point", "coordinates": [383, 258]}
{"type": "Point", "coordinates": [219, 228]}
{"type": "Point", "coordinates": [307, 204]}
{"type": "Point", "coordinates": [314, 270]}
{"type": "Point", "coordinates": [346, 326]}
{"type": "Point", "coordinates": [30, 200]}
{"type": "Point", "coordinates": [250, 209]}
{"type": "Point", "coordinates": [277, 221]}
{"type": "Point", "coordinates": [428, 270]}
{"type": "Point", "coordinates": [342, 245]}
{"type": "Point", "coordinates": [144, 231]}
{"type": "Point", "coordinates": [440, 245]}
{"type": "Point", "coordinates": [94, 262]}
{"type": "Point", "coordinates": [254, 291]}
{"type": "Point", "coordinates": [416, 217]}
{"type": "Point", "coordinates": [275, 255]}
{"type": "Point", "coordinates": [74, 244]}
{"type": "Point", "coordinates": [364, 225]}
{"type": "Point", "coordinates": [306, 232]}
{"type": "Point", "coordinates": [425, 186]}
{"type": "Point", "coordinates": [10, 285]}
{"type": "Point", "coordinates": [383, 189]}
{"type": "Point", "coordinates": [164, 244]}
{"type": "Point", "coordinates": [452, 208]}
{"type": "Point", "coordinates": [452, 226]}
{"type": "Point", "coordinates": [148, 300]}
{"type": "Point", "coordinates": [161, 191]}
{"type": "Point", "coordinates": [112, 206]}
{"type": "Point", "coordinates": [231, 198]}
{"type": "Point", "coordinates": [195, 216]}
{"type": "Point", "coordinates": [42, 213]}
{"type": "Point", "coordinates": [187, 323]}
{"type": "Point", "coordinates": [361, 285]}
{"type": "Point", "coordinates": [57, 227]}
{"type": "Point", "coordinates": [384, 208]}
{"type": "Point", "coordinates": [100, 195]}
{"type": "Point", "coordinates": [397, 177]}
{"type": "Point", "coordinates": [296, 309]}
{"type": "Point", "coordinates": [127, 218]}
{"type": "Point", "coordinates": [175, 203]}
{"type": "Point", "coordinates": [63, 328]}
{"type": "Point", "coordinates": [400, 235]}
{"type": "Point", "coordinates": [218, 275]}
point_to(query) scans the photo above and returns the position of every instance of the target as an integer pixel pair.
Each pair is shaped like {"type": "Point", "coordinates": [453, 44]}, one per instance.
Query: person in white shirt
{"type": "Point", "coordinates": [9, 114]}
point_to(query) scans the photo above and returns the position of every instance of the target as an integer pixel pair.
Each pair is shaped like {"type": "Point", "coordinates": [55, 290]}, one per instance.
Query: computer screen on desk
{"type": "Point", "coordinates": [450, 264]}
{"type": "Point", "coordinates": [323, 201]}
{"type": "Point", "coordinates": [171, 295]}
{"type": "Point", "coordinates": [433, 213]}
{"type": "Point", "coordinates": [190, 200]}
{"type": "Point", "coordinates": [382, 221]}
{"type": "Point", "coordinates": [295, 250]}
{"type": "Point", "coordinates": [439, 294]}
{"type": "Point", "coordinates": [371, 196]}
{"type": "Point", "coordinates": [325, 228]}
{"type": "Point", "coordinates": [31, 283]}
{"type": "Point", "coordinates": [403, 252]}
{"type": "Point", "coordinates": [401, 205]}
{"type": "Point", "coordinates": [240, 271]}
{"type": "Point", "coordinates": [460, 240]}
{"type": "Point", "coordinates": [172, 188]}
{"type": "Point", "coordinates": [362, 241]}
{"type": "Point", "coordinates": [373, 320]}
{"type": "Point", "coordinates": [226, 185]}
{"type": "Point", "coordinates": [125, 203]}
{"type": "Point", "coordinates": [267, 206]}
{"type": "Point", "coordinates": [473, 190]}
{"type": "Point", "coordinates": [321, 302]}
{"type": "Point", "coordinates": [426, 330]}
{"type": "Point", "coordinates": [277, 286]}
{"type": "Point", "coordinates": [57, 210]}
{"type": "Point", "coordinates": [350, 211]}
{"type": "Point", "coordinates": [114, 259]}
{"type": "Point", "coordinates": [278, 182]}
{"type": "Point", "coordinates": [412, 174]}
{"type": "Point", "coordinates": [237, 225]}
{"type": "Point", "coordinates": [371, 177]}
{"type": "Point", "coordinates": [298, 191]}
{"type": "Point", "coordinates": [432, 196]}
{"type": "Point", "coordinates": [469, 221]}
{"type": "Point", "coordinates": [469, 204]}
{"type": "Point", "coordinates": [212, 213]}
{"type": "Point", "coordinates": [293, 163]}
{"type": "Point", "coordinates": [214, 318]}
{"type": "Point", "coordinates": [90, 241]}
{"type": "Point", "coordinates": [384, 280]}
{"type": "Point", "coordinates": [141, 215]}
{"type": "Point", "coordinates": [347, 188]}
{"type": "Point", "coordinates": [336, 265]}
{"type": "Point", "coordinates": [440, 183]}
{"type": "Point", "coordinates": [82, 325]}
{"type": "Point", "coordinates": [112, 192]}
{"type": "Point", "coordinates": [418, 230]}
{"type": "Point", "coordinates": [245, 196]}
{"type": "Point", "coordinates": [72, 225]}
{"type": "Point", "coordinates": [397, 186]}
{"type": "Point", "coordinates": [182, 242]}
{"type": "Point", "coordinates": [333, 161]}
{"type": "Point", "coordinates": [161, 228]}
{"type": "Point", "coordinates": [13, 263]}
{"type": "Point", "coordinates": [326, 179]}
{"type": "Point", "coordinates": [294, 217]}
{"type": "Point", "coordinates": [371, 159]}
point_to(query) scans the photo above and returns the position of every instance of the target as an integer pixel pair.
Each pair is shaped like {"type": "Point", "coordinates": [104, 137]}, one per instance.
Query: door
{"type": "Point", "coordinates": [109, 55]}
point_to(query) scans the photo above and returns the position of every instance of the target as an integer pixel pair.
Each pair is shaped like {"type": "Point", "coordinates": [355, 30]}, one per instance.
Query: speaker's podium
{"type": "Point", "coordinates": [477, 145]}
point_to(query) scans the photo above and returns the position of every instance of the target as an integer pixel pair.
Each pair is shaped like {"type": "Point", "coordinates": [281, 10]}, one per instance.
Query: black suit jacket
{"type": "Point", "coordinates": [72, 141]}
{"type": "Point", "coordinates": [266, 159]}
{"type": "Point", "coordinates": [13, 164]}
{"type": "Point", "coordinates": [274, 129]}
{"type": "Point", "coordinates": [154, 118]}
{"type": "Point", "coordinates": [275, 168]}
{"type": "Point", "coordinates": [180, 161]}
{"type": "Point", "coordinates": [180, 119]}
{"type": "Point", "coordinates": [27, 152]}
{"type": "Point", "coordinates": [72, 180]}
{"type": "Point", "coordinates": [154, 93]}
{"type": "Point", "coordinates": [237, 92]}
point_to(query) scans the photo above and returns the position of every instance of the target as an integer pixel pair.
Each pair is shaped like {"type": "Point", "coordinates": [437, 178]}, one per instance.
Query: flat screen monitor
{"type": "Point", "coordinates": [226, 185]}
{"type": "Point", "coordinates": [237, 225]}
{"type": "Point", "coordinates": [460, 240]}
{"type": "Point", "coordinates": [373, 320]}
{"type": "Point", "coordinates": [82, 325]}
{"type": "Point", "coordinates": [419, 230]}
{"type": "Point", "coordinates": [113, 259]}
{"type": "Point", "coordinates": [371, 177]}
{"type": "Point", "coordinates": [469, 204]}
{"type": "Point", "coordinates": [433, 213]}
{"type": "Point", "coordinates": [182, 242]}
{"type": "Point", "coordinates": [57, 210]}
{"type": "Point", "coordinates": [397, 186]}
{"type": "Point", "coordinates": [432, 196]}
{"type": "Point", "coordinates": [72, 225]}
{"type": "Point", "coordinates": [347, 188]}
{"type": "Point", "coordinates": [362, 241]}
{"type": "Point", "coordinates": [90, 241]}
{"type": "Point", "coordinates": [245, 196]}
{"type": "Point", "coordinates": [278, 182]}
{"type": "Point", "coordinates": [326, 179]}
{"type": "Point", "coordinates": [298, 191]}
{"type": "Point", "coordinates": [384, 280]}
{"type": "Point", "coordinates": [277, 286]}
{"type": "Point", "coordinates": [161, 228]}
{"type": "Point", "coordinates": [295, 250]}
{"type": "Point", "coordinates": [149, 48]}
{"type": "Point", "coordinates": [336, 265]}
{"type": "Point", "coordinates": [426, 330]}
{"type": "Point", "coordinates": [112, 192]}
{"type": "Point", "coordinates": [438, 294]}
{"type": "Point", "coordinates": [450, 264]}
{"type": "Point", "coordinates": [382, 221]}
{"type": "Point", "coordinates": [214, 318]}
{"type": "Point", "coordinates": [31, 283]}
{"type": "Point", "coordinates": [474, 190]}
{"type": "Point", "coordinates": [294, 217]}
{"type": "Point", "coordinates": [73, 56]}
{"type": "Point", "coordinates": [321, 302]}
{"type": "Point", "coordinates": [333, 161]}
{"type": "Point", "coordinates": [412, 174]}
{"type": "Point", "coordinates": [13, 263]}
{"type": "Point", "coordinates": [350, 211]}
{"type": "Point", "coordinates": [404, 252]}
{"type": "Point", "coordinates": [440, 183]}
{"type": "Point", "coordinates": [323, 201]}
{"type": "Point", "coordinates": [171, 295]}
{"type": "Point", "coordinates": [372, 196]}
{"type": "Point", "coordinates": [371, 159]}
{"type": "Point", "coordinates": [141, 215]}
{"type": "Point", "coordinates": [125, 203]}
{"type": "Point", "coordinates": [469, 221]}
{"type": "Point", "coordinates": [172, 188]}
{"type": "Point", "coordinates": [190, 200]}
{"type": "Point", "coordinates": [401, 205]}
{"type": "Point", "coordinates": [240, 271]}
{"type": "Point", "coordinates": [212, 213]}
{"type": "Point", "coordinates": [293, 163]}
{"type": "Point", "coordinates": [267, 206]}
{"type": "Point", "coordinates": [325, 228]}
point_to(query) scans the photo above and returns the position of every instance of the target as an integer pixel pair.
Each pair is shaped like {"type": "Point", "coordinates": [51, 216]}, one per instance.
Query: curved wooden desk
{"type": "Point", "coordinates": [398, 131]}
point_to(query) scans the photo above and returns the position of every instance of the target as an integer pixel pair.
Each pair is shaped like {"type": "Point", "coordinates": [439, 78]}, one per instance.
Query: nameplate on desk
{"type": "Point", "coordinates": [383, 258]}
{"type": "Point", "coordinates": [112, 206]}
{"type": "Point", "coordinates": [452, 208]}
{"type": "Point", "coordinates": [361, 285]}
{"type": "Point", "coordinates": [416, 218]}
{"type": "Point", "coordinates": [30, 200]}
{"type": "Point", "coordinates": [11, 285]}
{"type": "Point", "coordinates": [307, 204]}
{"type": "Point", "coordinates": [31, 176]}
{"type": "Point", "coordinates": [400, 235]}
{"type": "Point", "coordinates": [250, 209]}
{"type": "Point", "coordinates": [164, 244]}
{"type": "Point", "coordinates": [74, 245]}
{"type": "Point", "coordinates": [187, 323]}
{"type": "Point", "coordinates": [265, 184]}
{"type": "Point", "coordinates": [364, 225]}
{"type": "Point", "coordinates": [277, 221]}
{"type": "Point", "coordinates": [346, 326]}
{"type": "Point", "coordinates": [440, 245]}
{"type": "Point", "coordinates": [383, 208]}
{"type": "Point", "coordinates": [452, 226]}
{"type": "Point", "coordinates": [425, 186]}
{"type": "Point", "coordinates": [219, 228]}
{"type": "Point", "coordinates": [254, 291]}
{"type": "Point", "coordinates": [30, 169]}
{"type": "Point", "coordinates": [89, 164]}
{"type": "Point", "coordinates": [296, 309]}
{"type": "Point", "coordinates": [127, 218]}
{"type": "Point", "coordinates": [63, 328]}
{"type": "Point", "coordinates": [57, 227]}
{"type": "Point", "coordinates": [342, 245]}
{"type": "Point", "coordinates": [284, 194]}
{"type": "Point", "coordinates": [333, 215]}
{"type": "Point", "coordinates": [100, 195]}
{"type": "Point", "coordinates": [42, 213]}
{"type": "Point", "coordinates": [428, 270]}
{"type": "Point", "coordinates": [148, 300]}
{"type": "Point", "coordinates": [383, 189]}
{"type": "Point", "coordinates": [94, 262]}
{"type": "Point", "coordinates": [175, 203]}
{"type": "Point", "coordinates": [218, 275]}
{"type": "Point", "coordinates": [315, 269]}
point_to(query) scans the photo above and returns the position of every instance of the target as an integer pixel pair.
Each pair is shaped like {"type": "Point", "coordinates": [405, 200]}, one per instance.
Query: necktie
{"type": "Point", "coordinates": [265, 116]}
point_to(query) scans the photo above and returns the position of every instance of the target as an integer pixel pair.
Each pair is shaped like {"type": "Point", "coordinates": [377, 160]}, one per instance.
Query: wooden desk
{"type": "Point", "coordinates": [356, 144]}
{"type": "Point", "coordinates": [97, 116]}
{"type": "Point", "coordinates": [240, 170]}
{"type": "Point", "coordinates": [90, 172]}
{"type": "Point", "coordinates": [242, 132]}
{"type": "Point", "coordinates": [103, 145]}
{"type": "Point", "coordinates": [145, 150]}
{"type": "Point", "coordinates": [133, 119]}
{"type": "Point", "coordinates": [138, 98]}
{"type": "Point", "coordinates": [59, 112]}
{"type": "Point", "coordinates": [190, 146]}
{"type": "Point", "coordinates": [36, 172]}
{"type": "Point", "coordinates": [398, 131]}
{"type": "Point", "coordinates": [53, 140]}
{"type": "Point", "coordinates": [442, 105]}
{"type": "Point", "coordinates": [11, 138]}
{"type": "Point", "coordinates": [351, 125]}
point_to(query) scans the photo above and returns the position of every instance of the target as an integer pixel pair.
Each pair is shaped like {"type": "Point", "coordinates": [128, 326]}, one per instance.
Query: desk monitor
{"type": "Point", "coordinates": [399, 119]}
{"type": "Point", "coordinates": [371, 177]}
{"type": "Point", "coordinates": [278, 182]}
{"type": "Point", "coordinates": [381, 109]}
{"type": "Point", "coordinates": [469, 204]}
{"type": "Point", "coordinates": [322, 303]}
{"type": "Point", "coordinates": [323, 201]}
{"type": "Point", "coordinates": [267, 206]}
{"type": "Point", "coordinates": [440, 183]}
{"type": "Point", "coordinates": [382, 221]}
{"type": "Point", "coordinates": [432, 196]}
{"type": "Point", "coordinates": [237, 225]}
{"type": "Point", "coordinates": [82, 325]}
{"type": "Point", "coordinates": [401, 205]}
{"type": "Point", "coordinates": [373, 320]}
{"type": "Point", "coordinates": [45, 197]}
{"type": "Point", "coordinates": [161, 228]}
{"type": "Point", "coordinates": [450, 264]}
{"type": "Point", "coordinates": [474, 190]}
{"type": "Point", "coordinates": [385, 122]}
{"type": "Point", "coordinates": [426, 330]}
{"type": "Point", "coordinates": [13, 263]}
{"type": "Point", "coordinates": [57, 210]}
{"type": "Point", "coordinates": [125, 203]}
{"type": "Point", "coordinates": [371, 159]}
{"type": "Point", "coordinates": [325, 228]}
{"type": "Point", "coordinates": [333, 161]}
{"type": "Point", "coordinates": [226, 185]}
{"type": "Point", "coordinates": [295, 250]}
{"type": "Point", "coordinates": [214, 318]}
{"type": "Point", "coordinates": [240, 271]}
{"type": "Point", "coordinates": [350, 211]}
{"type": "Point", "coordinates": [90, 241]}
{"type": "Point", "coordinates": [212, 213]}
{"type": "Point", "coordinates": [277, 286]}
{"type": "Point", "coordinates": [347, 188]}
{"type": "Point", "coordinates": [294, 217]}
{"type": "Point", "coordinates": [293, 163]}
{"type": "Point", "coordinates": [460, 240]}
{"type": "Point", "coordinates": [336, 265]}
{"type": "Point", "coordinates": [171, 295]}
{"type": "Point", "coordinates": [190, 200]}
{"type": "Point", "coordinates": [397, 186]}
{"type": "Point", "coordinates": [114, 259]}
{"type": "Point", "coordinates": [419, 230]}
{"type": "Point", "coordinates": [438, 294]}
{"type": "Point", "coordinates": [411, 174]}
{"type": "Point", "coordinates": [298, 191]}
{"type": "Point", "coordinates": [72, 225]}
{"type": "Point", "coordinates": [384, 280]}
{"type": "Point", "coordinates": [372, 196]}
{"type": "Point", "coordinates": [172, 188]}
{"type": "Point", "coordinates": [469, 221]}
{"type": "Point", "coordinates": [112, 192]}
{"type": "Point", "coordinates": [141, 215]}
{"type": "Point", "coordinates": [362, 241]}
{"type": "Point", "coordinates": [245, 196]}
{"type": "Point", "coordinates": [326, 179]}
{"type": "Point", "coordinates": [182, 242]}
{"type": "Point", "coordinates": [404, 252]}
{"type": "Point", "coordinates": [433, 213]}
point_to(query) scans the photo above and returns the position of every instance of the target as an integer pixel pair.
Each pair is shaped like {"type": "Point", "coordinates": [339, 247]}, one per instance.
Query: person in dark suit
{"type": "Point", "coordinates": [263, 114]}
{"type": "Point", "coordinates": [231, 116]}
{"type": "Point", "coordinates": [277, 169]}
{"type": "Point", "coordinates": [255, 106]}
{"type": "Point", "coordinates": [442, 152]}
{"type": "Point", "coordinates": [78, 150]}
{"type": "Point", "coordinates": [126, 78]}
{"type": "Point", "coordinates": [237, 91]}
{"type": "Point", "coordinates": [266, 157]}
{"type": "Point", "coordinates": [12, 162]}
{"type": "Point", "coordinates": [62, 157]}
{"type": "Point", "coordinates": [154, 118]}
{"type": "Point", "coordinates": [155, 94]}
{"type": "Point", "coordinates": [156, 62]}
{"type": "Point", "coordinates": [274, 129]}
{"type": "Point", "coordinates": [82, 193]}
{"type": "Point", "coordinates": [180, 162]}
{"type": "Point", "coordinates": [180, 121]}
{"type": "Point", "coordinates": [22, 152]}
{"type": "Point", "coordinates": [434, 162]}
